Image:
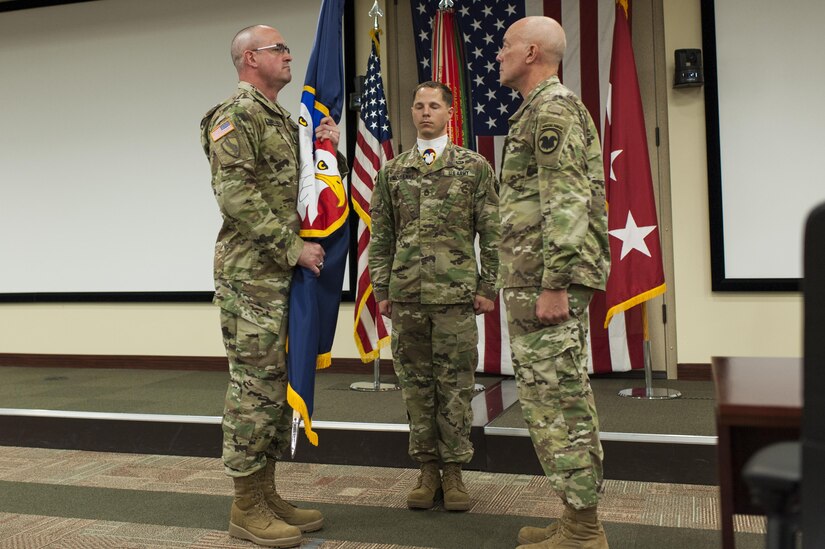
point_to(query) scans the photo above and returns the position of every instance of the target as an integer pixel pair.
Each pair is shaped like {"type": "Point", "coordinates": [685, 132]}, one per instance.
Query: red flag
{"type": "Point", "coordinates": [618, 347]}
{"type": "Point", "coordinates": [636, 273]}
{"type": "Point", "coordinates": [448, 68]}
{"type": "Point", "coordinates": [372, 150]}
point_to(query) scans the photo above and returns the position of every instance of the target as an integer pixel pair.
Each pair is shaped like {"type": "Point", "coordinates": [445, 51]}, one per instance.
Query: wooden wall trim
{"type": "Point", "coordinates": [694, 372]}
{"type": "Point", "coordinates": [685, 371]}
{"type": "Point", "coordinates": [148, 362]}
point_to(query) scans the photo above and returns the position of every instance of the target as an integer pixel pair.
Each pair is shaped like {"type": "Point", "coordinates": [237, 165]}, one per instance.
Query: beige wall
{"type": "Point", "coordinates": [709, 324]}
{"type": "Point", "coordinates": [169, 329]}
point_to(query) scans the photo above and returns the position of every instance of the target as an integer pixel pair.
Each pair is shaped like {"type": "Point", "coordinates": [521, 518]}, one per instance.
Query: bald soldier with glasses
{"type": "Point", "coordinates": [252, 146]}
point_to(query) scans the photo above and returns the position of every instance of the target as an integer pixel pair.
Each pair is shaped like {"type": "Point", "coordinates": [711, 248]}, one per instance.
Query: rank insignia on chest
{"type": "Point", "coordinates": [223, 129]}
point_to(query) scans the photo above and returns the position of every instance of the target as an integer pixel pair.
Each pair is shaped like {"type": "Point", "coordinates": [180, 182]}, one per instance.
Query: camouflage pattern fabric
{"type": "Point", "coordinates": [434, 355]}
{"type": "Point", "coordinates": [424, 224]}
{"type": "Point", "coordinates": [553, 221]}
{"type": "Point", "coordinates": [256, 418]}
{"type": "Point", "coordinates": [252, 146]}
{"type": "Point", "coordinates": [550, 364]}
{"type": "Point", "coordinates": [554, 236]}
{"type": "Point", "coordinates": [422, 258]}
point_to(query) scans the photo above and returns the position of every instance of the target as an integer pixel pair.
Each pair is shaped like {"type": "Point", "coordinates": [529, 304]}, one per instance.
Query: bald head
{"type": "Point", "coordinates": [532, 51]}
{"type": "Point", "coordinates": [262, 59]}
{"type": "Point", "coordinates": [546, 34]}
{"type": "Point", "coordinates": [247, 39]}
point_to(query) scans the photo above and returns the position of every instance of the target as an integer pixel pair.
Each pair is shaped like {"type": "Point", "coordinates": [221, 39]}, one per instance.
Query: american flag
{"type": "Point", "coordinates": [585, 69]}
{"type": "Point", "coordinates": [372, 150]}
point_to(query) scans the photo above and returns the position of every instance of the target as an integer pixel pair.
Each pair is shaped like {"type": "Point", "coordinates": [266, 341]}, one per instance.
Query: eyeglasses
{"type": "Point", "coordinates": [279, 48]}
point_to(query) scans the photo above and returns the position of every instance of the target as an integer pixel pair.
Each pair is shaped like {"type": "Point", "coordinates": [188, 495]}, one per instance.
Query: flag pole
{"type": "Point", "coordinates": [648, 392]}
{"type": "Point", "coordinates": [376, 385]}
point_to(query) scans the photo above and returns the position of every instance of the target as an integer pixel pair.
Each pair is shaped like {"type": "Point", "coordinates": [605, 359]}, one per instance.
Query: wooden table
{"type": "Point", "coordinates": [758, 402]}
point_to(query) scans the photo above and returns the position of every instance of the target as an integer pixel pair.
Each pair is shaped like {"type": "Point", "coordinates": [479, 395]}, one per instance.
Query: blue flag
{"type": "Point", "coordinates": [324, 209]}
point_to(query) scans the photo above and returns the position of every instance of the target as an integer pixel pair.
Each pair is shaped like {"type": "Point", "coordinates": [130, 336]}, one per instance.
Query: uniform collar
{"type": "Point", "coordinates": [261, 98]}
{"type": "Point", "coordinates": [445, 159]}
{"type": "Point", "coordinates": [533, 94]}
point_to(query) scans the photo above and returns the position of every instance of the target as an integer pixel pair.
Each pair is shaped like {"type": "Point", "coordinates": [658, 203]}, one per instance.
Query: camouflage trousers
{"type": "Point", "coordinates": [550, 364]}
{"type": "Point", "coordinates": [435, 356]}
{"type": "Point", "coordinates": [256, 417]}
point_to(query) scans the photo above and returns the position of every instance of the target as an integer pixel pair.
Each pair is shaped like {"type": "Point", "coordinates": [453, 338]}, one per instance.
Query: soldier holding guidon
{"type": "Point", "coordinates": [252, 146]}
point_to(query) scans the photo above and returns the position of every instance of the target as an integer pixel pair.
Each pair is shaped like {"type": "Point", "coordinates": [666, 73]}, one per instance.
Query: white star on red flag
{"type": "Point", "coordinates": [632, 236]}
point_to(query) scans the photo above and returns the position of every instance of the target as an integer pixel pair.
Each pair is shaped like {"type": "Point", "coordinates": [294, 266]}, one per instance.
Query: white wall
{"type": "Point", "coordinates": [708, 324]}
{"type": "Point", "coordinates": [103, 171]}
{"type": "Point", "coordinates": [711, 324]}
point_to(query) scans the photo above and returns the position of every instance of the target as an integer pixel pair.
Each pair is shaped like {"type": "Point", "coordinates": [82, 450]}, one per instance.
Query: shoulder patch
{"type": "Point", "coordinates": [222, 129]}
{"type": "Point", "coordinates": [551, 135]}
{"type": "Point", "coordinates": [231, 146]}
{"type": "Point", "coordinates": [228, 140]}
{"type": "Point", "coordinates": [549, 139]}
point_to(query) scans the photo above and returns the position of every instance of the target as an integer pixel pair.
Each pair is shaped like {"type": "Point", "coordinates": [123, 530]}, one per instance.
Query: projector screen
{"type": "Point", "coordinates": [105, 187]}
{"type": "Point", "coordinates": [765, 113]}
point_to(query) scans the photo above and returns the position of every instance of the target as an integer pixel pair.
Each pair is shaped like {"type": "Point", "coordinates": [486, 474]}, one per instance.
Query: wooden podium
{"type": "Point", "coordinates": [758, 402]}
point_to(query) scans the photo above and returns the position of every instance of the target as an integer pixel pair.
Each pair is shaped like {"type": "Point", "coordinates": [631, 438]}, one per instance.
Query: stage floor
{"type": "Point", "coordinates": [178, 412]}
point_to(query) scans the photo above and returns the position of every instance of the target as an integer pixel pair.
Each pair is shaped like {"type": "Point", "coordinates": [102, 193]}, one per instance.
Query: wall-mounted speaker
{"type": "Point", "coordinates": [688, 69]}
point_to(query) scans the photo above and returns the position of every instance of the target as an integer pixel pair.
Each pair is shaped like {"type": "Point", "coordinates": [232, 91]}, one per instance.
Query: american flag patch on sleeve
{"type": "Point", "coordinates": [221, 130]}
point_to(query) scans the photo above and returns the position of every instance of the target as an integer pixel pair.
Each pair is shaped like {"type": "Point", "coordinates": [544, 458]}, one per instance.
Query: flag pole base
{"type": "Point", "coordinates": [374, 387]}
{"type": "Point", "coordinates": [650, 393]}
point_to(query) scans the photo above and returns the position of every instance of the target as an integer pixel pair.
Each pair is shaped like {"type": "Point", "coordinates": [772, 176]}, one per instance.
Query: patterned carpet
{"type": "Point", "coordinates": [75, 499]}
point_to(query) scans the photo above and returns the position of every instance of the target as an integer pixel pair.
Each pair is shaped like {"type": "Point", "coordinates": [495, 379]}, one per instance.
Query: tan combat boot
{"type": "Point", "coordinates": [308, 520]}
{"type": "Point", "coordinates": [531, 534]}
{"type": "Point", "coordinates": [456, 497]}
{"type": "Point", "coordinates": [251, 519]}
{"type": "Point", "coordinates": [427, 489]}
{"type": "Point", "coordinates": [578, 529]}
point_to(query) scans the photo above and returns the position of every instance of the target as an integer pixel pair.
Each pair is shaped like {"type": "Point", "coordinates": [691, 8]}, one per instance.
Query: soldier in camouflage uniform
{"type": "Point", "coordinates": [554, 253]}
{"type": "Point", "coordinates": [427, 207]}
{"type": "Point", "coordinates": [252, 146]}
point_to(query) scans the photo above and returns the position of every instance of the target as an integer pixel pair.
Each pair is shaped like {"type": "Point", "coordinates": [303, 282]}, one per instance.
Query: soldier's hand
{"type": "Point", "coordinates": [328, 129]}
{"type": "Point", "coordinates": [312, 257]}
{"type": "Point", "coordinates": [385, 308]}
{"type": "Point", "coordinates": [552, 307]}
{"type": "Point", "coordinates": [483, 305]}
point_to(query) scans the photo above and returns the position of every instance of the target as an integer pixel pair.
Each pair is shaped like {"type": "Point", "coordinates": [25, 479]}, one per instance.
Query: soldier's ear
{"type": "Point", "coordinates": [249, 58]}
{"type": "Point", "coordinates": [532, 54]}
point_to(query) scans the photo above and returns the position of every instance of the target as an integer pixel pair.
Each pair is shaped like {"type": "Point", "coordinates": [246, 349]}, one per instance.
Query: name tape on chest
{"type": "Point", "coordinates": [456, 173]}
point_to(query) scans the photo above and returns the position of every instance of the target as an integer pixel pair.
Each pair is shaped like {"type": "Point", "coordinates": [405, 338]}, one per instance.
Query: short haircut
{"type": "Point", "coordinates": [446, 93]}
{"type": "Point", "coordinates": [242, 40]}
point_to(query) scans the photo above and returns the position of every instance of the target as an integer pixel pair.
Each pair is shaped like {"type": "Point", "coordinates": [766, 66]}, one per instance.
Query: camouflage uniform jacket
{"type": "Point", "coordinates": [553, 220]}
{"type": "Point", "coordinates": [252, 146]}
{"type": "Point", "coordinates": [424, 223]}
